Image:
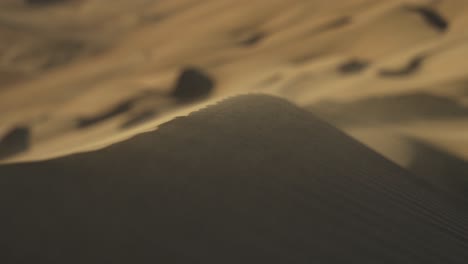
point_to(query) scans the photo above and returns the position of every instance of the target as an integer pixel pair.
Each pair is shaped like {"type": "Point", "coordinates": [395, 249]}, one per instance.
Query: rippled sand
{"type": "Point", "coordinates": [81, 74]}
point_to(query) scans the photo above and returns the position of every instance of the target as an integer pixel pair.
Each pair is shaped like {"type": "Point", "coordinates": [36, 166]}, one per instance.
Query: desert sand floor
{"type": "Point", "coordinates": [202, 189]}
{"type": "Point", "coordinates": [81, 74]}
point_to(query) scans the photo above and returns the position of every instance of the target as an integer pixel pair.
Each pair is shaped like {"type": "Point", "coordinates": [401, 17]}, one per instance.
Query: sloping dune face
{"type": "Point", "coordinates": [81, 74]}
{"type": "Point", "coordinates": [284, 187]}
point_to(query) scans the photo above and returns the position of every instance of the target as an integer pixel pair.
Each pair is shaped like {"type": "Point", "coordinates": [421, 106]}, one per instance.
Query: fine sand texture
{"type": "Point", "coordinates": [253, 179]}
{"type": "Point", "coordinates": [77, 75]}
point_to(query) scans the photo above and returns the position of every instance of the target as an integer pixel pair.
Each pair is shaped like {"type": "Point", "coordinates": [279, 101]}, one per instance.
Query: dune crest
{"type": "Point", "coordinates": [283, 187]}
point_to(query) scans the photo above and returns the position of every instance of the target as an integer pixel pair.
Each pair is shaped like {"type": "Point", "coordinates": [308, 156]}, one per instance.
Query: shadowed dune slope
{"type": "Point", "coordinates": [444, 171]}
{"type": "Point", "coordinates": [283, 187]}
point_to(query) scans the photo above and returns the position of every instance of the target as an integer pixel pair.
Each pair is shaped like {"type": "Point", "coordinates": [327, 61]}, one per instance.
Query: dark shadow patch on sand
{"type": "Point", "coordinates": [335, 24]}
{"type": "Point", "coordinates": [353, 66]}
{"type": "Point", "coordinates": [117, 110]}
{"type": "Point", "coordinates": [140, 118]}
{"type": "Point", "coordinates": [304, 58]}
{"type": "Point", "coordinates": [431, 16]}
{"type": "Point", "coordinates": [413, 66]}
{"type": "Point", "coordinates": [440, 168]}
{"type": "Point", "coordinates": [253, 39]}
{"type": "Point", "coordinates": [192, 84]}
{"type": "Point", "coordinates": [154, 18]}
{"type": "Point", "coordinates": [14, 142]}
{"type": "Point", "coordinates": [391, 109]}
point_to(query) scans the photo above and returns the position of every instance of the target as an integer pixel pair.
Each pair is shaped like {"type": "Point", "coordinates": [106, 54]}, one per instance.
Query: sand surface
{"type": "Point", "coordinates": [253, 179]}
{"type": "Point", "coordinates": [81, 74]}
{"type": "Point", "coordinates": [202, 189]}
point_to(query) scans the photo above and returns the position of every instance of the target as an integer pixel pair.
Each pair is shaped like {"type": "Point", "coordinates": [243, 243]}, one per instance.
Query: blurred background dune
{"type": "Point", "coordinates": [80, 74]}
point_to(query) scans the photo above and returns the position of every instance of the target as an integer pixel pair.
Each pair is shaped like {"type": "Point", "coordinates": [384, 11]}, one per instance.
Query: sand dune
{"type": "Point", "coordinates": [118, 65]}
{"type": "Point", "coordinates": [254, 179]}
{"type": "Point", "coordinates": [203, 189]}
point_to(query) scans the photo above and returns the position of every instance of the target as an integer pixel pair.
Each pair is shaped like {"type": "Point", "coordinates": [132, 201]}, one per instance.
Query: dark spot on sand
{"type": "Point", "coordinates": [154, 18]}
{"type": "Point", "coordinates": [253, 39]}
{"type": "Point", "coordinates": [304, 58]}
{"type": "Point", "coordinates": [115, 111]}
{"type": "Point", "coordinates": [352, 66]}
{"type": "Point", "coordinates": [15, 141]}
{"type": "Point", "coordinates": [139, 119]}
{"type": "Point", "coordinates": [192, 84]}
{"type": "Point", "coordinates": [431, 17]}
{"type": "Point", "coordinates": [413, 66]}
{"type": "Point", "coordinates": [119, 109]}
{"type": "Point", "coordinates": [337, 23]}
